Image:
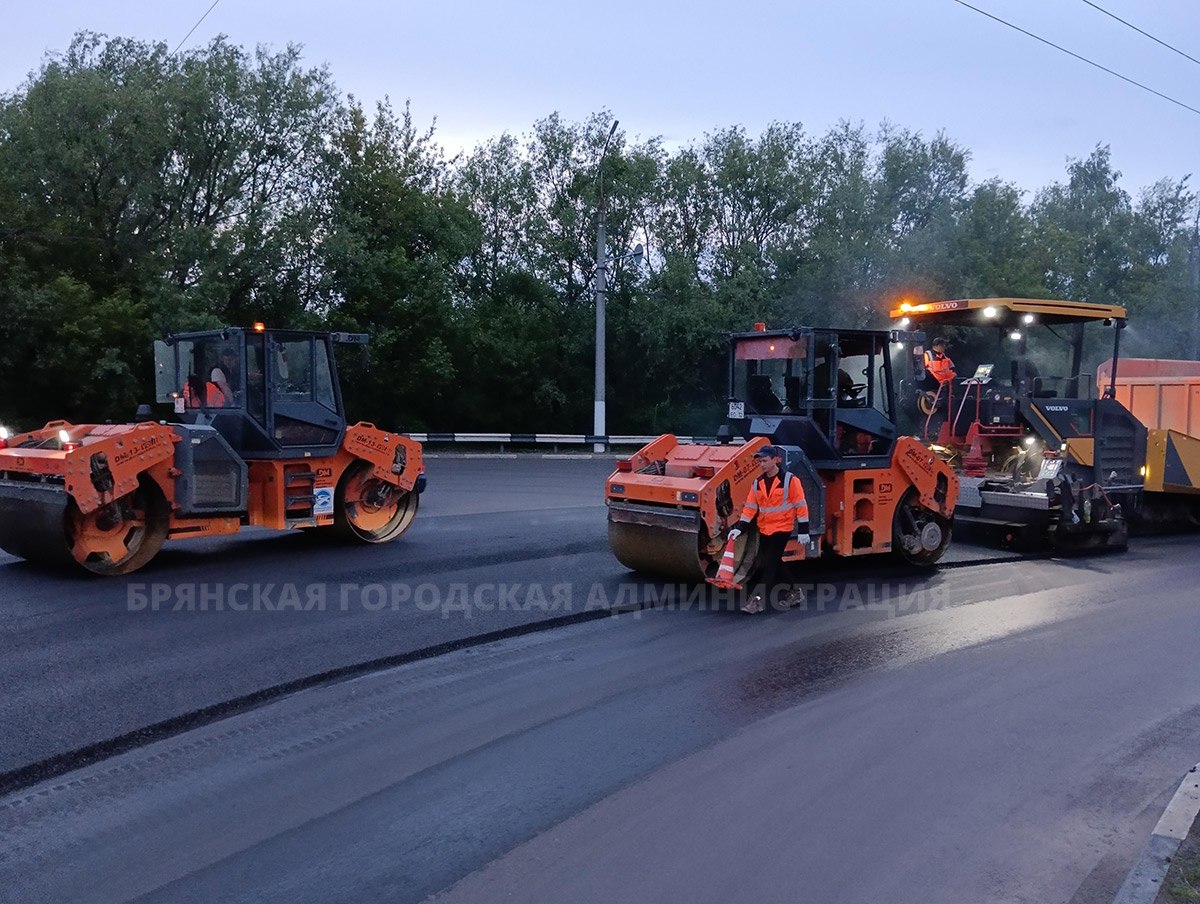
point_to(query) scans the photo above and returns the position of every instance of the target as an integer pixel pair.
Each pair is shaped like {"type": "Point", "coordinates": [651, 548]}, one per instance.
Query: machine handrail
{"type": "Point", "coordinates": [936, 396]}
{"type": "Point", "coordinates": [966, 395]}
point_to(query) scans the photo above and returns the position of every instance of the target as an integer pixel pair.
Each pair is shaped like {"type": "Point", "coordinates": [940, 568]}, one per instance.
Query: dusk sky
{"type": "Point", "coordinates": [678, 69]}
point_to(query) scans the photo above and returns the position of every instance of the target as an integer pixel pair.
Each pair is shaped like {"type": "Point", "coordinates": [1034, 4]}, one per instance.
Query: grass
{"type": "Point", "coordinates": [1182, 882]}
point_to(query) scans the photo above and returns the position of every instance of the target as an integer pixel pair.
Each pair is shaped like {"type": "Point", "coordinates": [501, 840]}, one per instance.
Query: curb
{"type": "Point", "coordinates": [1144, 881]}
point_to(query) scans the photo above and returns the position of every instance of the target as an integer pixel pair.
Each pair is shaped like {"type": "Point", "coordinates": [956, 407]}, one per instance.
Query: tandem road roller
{"type": "Point", "coordinates": [827, 397]}
{"type": "Point", "coordinates": [261, 440]}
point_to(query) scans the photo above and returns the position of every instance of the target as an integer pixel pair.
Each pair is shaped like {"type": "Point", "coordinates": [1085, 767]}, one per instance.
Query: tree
{"type": "Point", "coordinates": [65, 350]}
{"type": "Point", "coordinates": [143, 191]}
{"type": "Point", "coordinates": [397, 234]}
{"type": "Point", "coordinates": [177, 187]}
{"type": "Point", "coordinates": [1083, 232]}
{"type": "Point", "coordinates": [993, 248]}
{"type": "Point", "coordinates": [1164, 286]}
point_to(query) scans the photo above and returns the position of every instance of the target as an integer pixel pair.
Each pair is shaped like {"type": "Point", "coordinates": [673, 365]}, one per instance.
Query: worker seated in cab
{"type": "Point", "coordinates": [227, 373]}
{"type": "Point", "coordinates": [852, 441]}
{"type": "Point", "coordinates": [762, 397]}
{"type": "Point", "coordinates": [199, 393]}
{"type": "Point", "coordinates": [849, 392]}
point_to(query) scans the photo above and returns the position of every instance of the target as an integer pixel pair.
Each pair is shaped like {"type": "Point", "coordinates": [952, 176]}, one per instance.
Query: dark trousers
{"type": "Point", "coordinates": [771, 569]}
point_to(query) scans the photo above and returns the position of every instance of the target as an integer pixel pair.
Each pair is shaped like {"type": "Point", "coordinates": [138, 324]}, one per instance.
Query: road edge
{"type": "Point", "coordinates": [1144, 881]}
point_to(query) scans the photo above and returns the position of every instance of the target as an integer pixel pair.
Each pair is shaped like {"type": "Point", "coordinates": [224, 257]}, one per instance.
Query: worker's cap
{"type": "Point", "coordinates": [769, 452]}
{"type": "Point", "coordinates": [937, 340]}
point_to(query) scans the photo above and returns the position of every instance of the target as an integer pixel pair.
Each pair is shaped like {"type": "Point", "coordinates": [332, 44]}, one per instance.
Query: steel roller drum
{"type": "Point", "coordinates": [666, 543]}
{"type": "Point", "coordinates": [32, 522]}
{"type": "Point", "coordinates": [654, 550]}
{"type": "Point", "coordinates": [662, 542]}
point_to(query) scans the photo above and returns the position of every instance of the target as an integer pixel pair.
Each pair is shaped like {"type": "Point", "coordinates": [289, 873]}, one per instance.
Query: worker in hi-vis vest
{"type": "Point", "coordinates": [938, 363]}
{"type": "Point", "coordinates": [777, 505]}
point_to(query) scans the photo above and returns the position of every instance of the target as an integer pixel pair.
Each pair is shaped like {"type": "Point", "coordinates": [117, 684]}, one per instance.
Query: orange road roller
{"type": "Point", "coordinates": [827, 398]}
{"type": "Point", "coordinates": [259, 439]}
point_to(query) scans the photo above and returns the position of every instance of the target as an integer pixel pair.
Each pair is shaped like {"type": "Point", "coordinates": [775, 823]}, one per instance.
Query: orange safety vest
{"type": "Point", "coordinates": [940, 366]}
{"type": "Point", "coordinates": [778, 510]}
{"type": "Point", "coordinates": [213, 397]}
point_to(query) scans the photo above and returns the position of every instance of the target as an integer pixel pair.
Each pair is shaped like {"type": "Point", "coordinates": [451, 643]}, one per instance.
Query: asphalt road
{"type": "Point", "coordinates": [1012, 737]}
{"type": "Point", "coordinates": [1002, 732]}
{"type": "Point", "coordinates": [85, 660]}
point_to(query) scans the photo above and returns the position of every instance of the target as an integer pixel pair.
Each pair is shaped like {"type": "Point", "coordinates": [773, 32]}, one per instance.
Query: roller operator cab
{"type": "Point", "coordinates": [827, 397]}
{"type": "Point", "coordinates": [1043, 456]}
{"type": "Point", "coordinates": [270, 394]}
{"type": "Point", "coordinates": [258, 438]}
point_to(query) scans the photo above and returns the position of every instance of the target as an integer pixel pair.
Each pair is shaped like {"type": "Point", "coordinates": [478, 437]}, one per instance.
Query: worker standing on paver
{"type": "Point", "coordinates": [777, 504]}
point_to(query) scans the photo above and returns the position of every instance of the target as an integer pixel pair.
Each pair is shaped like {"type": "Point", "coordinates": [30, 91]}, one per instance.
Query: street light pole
{"type": "Point", "coordinates": [598, 425]}
{"type": "Point", "coordinates": [598, 422]}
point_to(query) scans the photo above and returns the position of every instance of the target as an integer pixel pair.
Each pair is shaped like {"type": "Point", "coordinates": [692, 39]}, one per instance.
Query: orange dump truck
{"type": "Point", "coordinates": [1165, 396]}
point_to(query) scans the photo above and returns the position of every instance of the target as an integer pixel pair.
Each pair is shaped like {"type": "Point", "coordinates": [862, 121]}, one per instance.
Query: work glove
{"type": "Point", "coordinates": [804, 538]}
{"type": "Point", "coordinates": [734, 533]}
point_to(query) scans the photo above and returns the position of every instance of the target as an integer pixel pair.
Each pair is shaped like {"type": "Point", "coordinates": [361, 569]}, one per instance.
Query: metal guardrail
{"type": "Point", "coordinates": [547, 439]}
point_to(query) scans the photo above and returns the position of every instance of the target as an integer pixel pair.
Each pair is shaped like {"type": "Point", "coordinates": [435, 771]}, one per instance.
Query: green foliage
{"type": "Point", "coordinates": [168, 191]}
{"type": "Point", "coordinates": [66, 343]}
{"type": "Point", "coordinates": [1084, 232]}
{"type": "Point", "coordinates": [397, 232]}
{"type": "Point", "coordinates": [993, 248]}
{"type": "Point", "coordinates": [1093, 243]}
{"type": "Point", "coordinates": [142, 192]}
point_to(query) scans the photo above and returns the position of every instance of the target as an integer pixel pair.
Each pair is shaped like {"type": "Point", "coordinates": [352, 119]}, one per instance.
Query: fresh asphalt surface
{"type": "Point", "coordinates": [88, 659]}
{"type": "Point", "coordinates": [1000, 732]}
{"type": "Point", "coordinates": [84, 660]}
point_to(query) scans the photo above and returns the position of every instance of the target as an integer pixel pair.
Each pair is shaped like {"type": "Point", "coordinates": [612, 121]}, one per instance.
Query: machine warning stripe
{"type": "Point", "coordinates": [1042, 417]}
{"type": "Point", "coordinates": [1084, 450]}
{"type": "Point", "coordinates": [1176, 470]}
